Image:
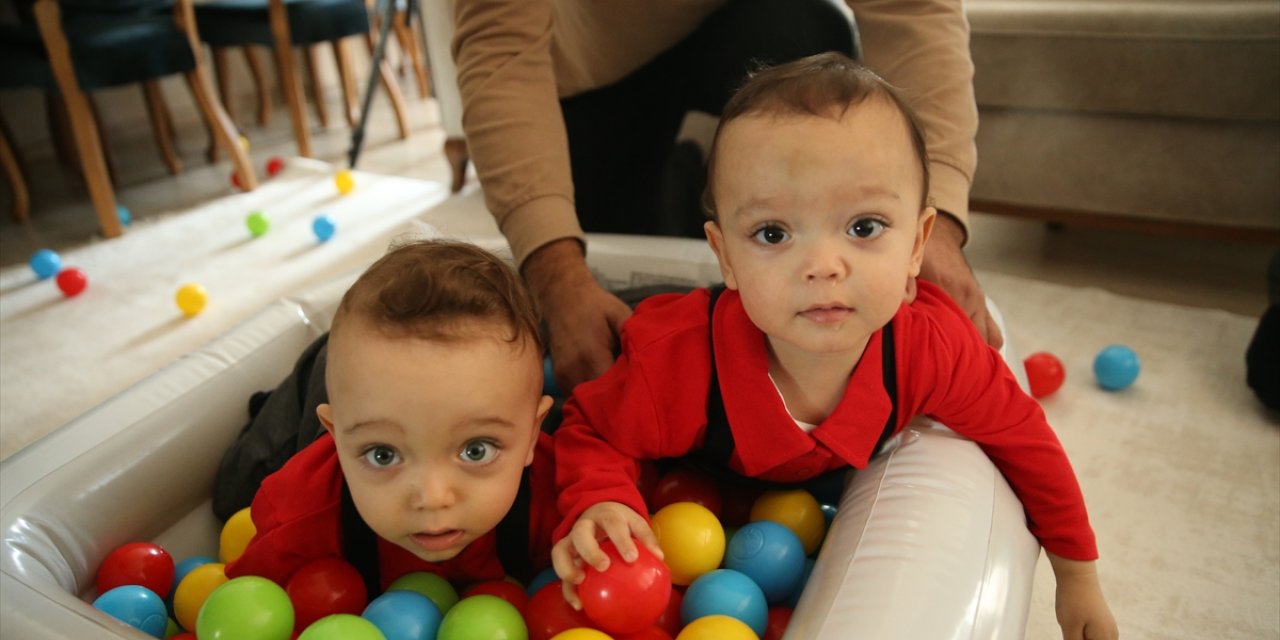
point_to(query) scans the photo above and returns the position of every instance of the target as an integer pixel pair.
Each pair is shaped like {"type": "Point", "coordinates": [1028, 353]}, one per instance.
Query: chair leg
{"type": "Point", "coordinates": [17, 183]}
{"type": "Point", "coordinates": [49, 19]}
{"type": "Point", "coordinates": [397, 98]}
{"type": "Point", "coordinates": [222, 74]}
{"type": "Point", "coordinates": [161, 125]}
{"type": "Point", "coordinates": [455, 152]}
{"type": "Point", "coordinates": [224, 131]}
{"type": "Point", "coordinates": [259, 73]}
{"type": "Point", "coordinates": [106, 143]}
{"type": "Point", "coordinates": [409, 45]}
{"type": "Point", "coordinates": [317, 88]}
{"type": "Point", "coordinates": [342, 56]}
{"type": "Point", "coordinates": [283, 46]}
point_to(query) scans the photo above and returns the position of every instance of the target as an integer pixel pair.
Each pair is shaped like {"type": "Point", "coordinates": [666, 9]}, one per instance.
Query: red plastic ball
{"type": "Point", "coordinates": [685, 485]}
{"type": "Point", "coordinates": [779, 618]}
{"type": "Point", "coordinates": [626, 597]}
{"type": "Point", "coordinates": [670, 621]}
{"type": "Point", "coordinates": [325, 587]}
{"type": "Point", "coordinates": [72, 281]}
{"type": "Point", "coordinates": [1044, 373]}
{"type": "Point", "coordinates": [275, 165]}
{"type": "Point", "coordinates": [652, 633]}
{"type": "Point", "coordinates": [548, 613]}
{"type": "Point", "coordinates": [505, 589]}
{"type": "Point", "coordinates": [235, 180]}
{"type": "Point", "coordinates": [137, 563]}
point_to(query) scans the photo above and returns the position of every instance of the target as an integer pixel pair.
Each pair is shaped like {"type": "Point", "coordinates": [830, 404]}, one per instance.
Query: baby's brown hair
{"type": "Point", "coordinates": [825, 85]}
{"type": "Point", "coordinates": [433, 290]}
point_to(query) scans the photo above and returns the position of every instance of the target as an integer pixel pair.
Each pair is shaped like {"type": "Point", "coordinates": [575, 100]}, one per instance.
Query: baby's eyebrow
{"type": "Point", "coordinates": [364, 424]}
{"type": "Point", "coordinates": [486, 421]}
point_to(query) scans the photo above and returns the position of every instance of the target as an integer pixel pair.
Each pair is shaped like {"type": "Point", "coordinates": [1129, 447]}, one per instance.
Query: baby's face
{"type": "Point", "coordinates": [820, 225]}
{"type": "Point", "coordinates": [432, 436]}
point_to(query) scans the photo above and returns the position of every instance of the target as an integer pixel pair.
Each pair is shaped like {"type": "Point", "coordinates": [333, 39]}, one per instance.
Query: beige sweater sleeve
{"type": "Point", "coordinates": [922, 47]}
{"type": "Point", "coordinates": [511, 114]}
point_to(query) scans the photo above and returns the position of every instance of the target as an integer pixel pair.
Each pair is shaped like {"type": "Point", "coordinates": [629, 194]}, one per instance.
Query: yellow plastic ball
{"type": "Point", "coordinates": [344, 181]}
{"type": "Point", "coordinates": [691, 538]}
{"type": "Point", "coordinates": [191, 299]}
{"type": "Point", "coordinates": [236, 534]}
{"type": "Point", "coordinates": [581, 633]}
{"type": "Point", "coordinates": [796, 510]}
{"type": "Point", "coordinates": [717, 627]}
{"type": "Point", "coordinates": [194, 590]}
{"type": "Point", "coordinates": [244, 143]}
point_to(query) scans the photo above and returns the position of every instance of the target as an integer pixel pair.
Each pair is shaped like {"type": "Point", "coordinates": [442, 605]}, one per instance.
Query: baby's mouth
{"type": "Point", "coordinates": [826, 314]}
{"type": "Point", "coordinates": [437, 540]}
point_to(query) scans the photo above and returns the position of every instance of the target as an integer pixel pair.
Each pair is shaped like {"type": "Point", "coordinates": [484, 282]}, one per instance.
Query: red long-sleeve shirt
{"type": "Point", "coordinates": [652, 404]}
{"type": "Point", "coordinates": [297, 516]}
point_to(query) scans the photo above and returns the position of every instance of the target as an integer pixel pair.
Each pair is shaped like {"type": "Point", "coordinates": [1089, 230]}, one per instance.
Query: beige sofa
{"type": "Point", "coordinates": [1153, 114]}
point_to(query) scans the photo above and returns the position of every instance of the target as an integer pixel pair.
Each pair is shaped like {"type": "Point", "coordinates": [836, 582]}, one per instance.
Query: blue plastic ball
{"type": "Point", "coordinates": [804, 580]}
{"type": "Point", "coordinates": [137, 607]}
{"type": "Point", "coordinates": [544, 578]}
{"type": "Point", "coordinates": [404, 615]}
{"type": "Point", "coordinates": [729, 593]}
{"type": "Point", "coordinates": [324, 226]}
{"type": "Point", "coordinates": [770, 554]}
{"type": "Point", "coordinates": [46, 263]}
{"type": "Point", "coordinates": [1116, 367]}
{"type": "Point", "coordinates": [126, 217]}
{"type": "Point", "coordinates": [181, 570]}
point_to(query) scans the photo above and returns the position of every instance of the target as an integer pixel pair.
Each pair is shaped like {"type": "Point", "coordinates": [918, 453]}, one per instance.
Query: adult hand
{"type": "Point", "coordinates": [945, 265]}
{"type": "Point", "coordinates": [582, 318]}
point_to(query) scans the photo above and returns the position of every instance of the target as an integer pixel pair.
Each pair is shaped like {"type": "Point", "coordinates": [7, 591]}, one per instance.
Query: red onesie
{"type": "Point", "coordinates": [652, 404]}
{"type": "Point", "coordinates": [297, 516]}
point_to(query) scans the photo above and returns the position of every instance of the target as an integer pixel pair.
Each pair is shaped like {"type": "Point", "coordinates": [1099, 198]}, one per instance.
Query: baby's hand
{"type": "Point", "coordinates": [613, 520]}
{"type": "Point", "coordinates": [1082, 611]}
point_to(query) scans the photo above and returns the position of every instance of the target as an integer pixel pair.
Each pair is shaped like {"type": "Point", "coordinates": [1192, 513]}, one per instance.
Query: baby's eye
{"type": "Point", "coordinates": [866, 228]}
{"type": "Point", "coordinates": [770, 234]}
{"type": "Point", "coordinates": [477, 451]}
{"type": "Point", "coordinates": [381, 457]}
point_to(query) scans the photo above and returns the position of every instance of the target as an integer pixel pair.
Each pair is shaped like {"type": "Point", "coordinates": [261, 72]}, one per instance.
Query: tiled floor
{"type": "Point", "coordinates": [1188, 271]}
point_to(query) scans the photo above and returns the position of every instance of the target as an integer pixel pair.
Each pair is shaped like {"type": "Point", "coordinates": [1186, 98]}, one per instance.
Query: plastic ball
{"type": "Point", "coordinates": [771, 555]}
{"type": "Point", "coordinates": [136, 606]}
{"type": "Point", "coordinates": [235, 180]}
{"type": "Point", "coordinates": [1044, 373]}
{"type": "Point", "coordinates": [726, 592]}
{"type": "Point", "coordinates": [581, 634]}
{"type": "Point", "coordinates": [507, 590]}
{"type": "Point", "coordinates": [652, 633]}
{"type": "Point", "coordinates": [171, 628]}
{"type": "Point", "coordinates": [670, 621]}
{"type": "Point", "coordinates": [325, 587]}
{"type": "Point", "coordinates": [344, 181]}
{"type": "Point", "coordinates": [275, 164]}
{"type": "Point", "coordinates": [404, 615]}
{"type": "Point", "coordinates": [191, 299]}
{"type": "Point", "coordinates": [717, 628]}
{"type": "Point", "coordinates": [244, 143]}
{"type": "Point", "coordinates": [46, 263]}
{"type": "Point", "coordinates": [627, 597]}
{"type": "Point", "coordinates": [1116, 367]}
{"type": "Point", "coordinates": [686, 485]}
{"type": "Point", "coordinates": [779, 619]}
{"type": "Point", "coordinates": [430, 585]}
{"type": "Point", "coordinates": [796, 510]}
{"type": "Point", "coordinates": [124, 215]}
{"type": "Point", "coordinates": [185, 567]}
{"type": "Point", "coordinates": [72, 281]}
{"type": "Point", "coordinates": [259, 224]}
{"type": "Point", "coordinates": [246, 608]}
{"type": "Point", "coordinates": [691, 538]}
{"type": "Point", "coordinates": [137, 563]}
{"type": "Point", "coordinates": [548, 613]}
{"type": "Point", "coordinates": [482, 618]}
{"type": "Point", "coordinates": [342, 626]}
{"type": "Point", "coordinates": [194, 590]}
{"type": "Point", "coordinates": [324, 226]}
{"type": "Point", "coordinates": [235, 536]}
{"type": "Point", "coordinates": [540, 580]}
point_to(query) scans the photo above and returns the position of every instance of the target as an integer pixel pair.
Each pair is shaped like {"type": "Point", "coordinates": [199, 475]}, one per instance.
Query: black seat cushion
{"type": "Point", "coordinates": [227, 23]}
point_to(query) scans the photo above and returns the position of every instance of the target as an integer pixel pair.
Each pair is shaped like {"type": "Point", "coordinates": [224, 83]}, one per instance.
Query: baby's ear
{"type": "Point", "coordinates": [325, 413]}
{"type": "Point", "coordinates": [715, 238]}
{"type": "Point", "coordinates": [544, 407]}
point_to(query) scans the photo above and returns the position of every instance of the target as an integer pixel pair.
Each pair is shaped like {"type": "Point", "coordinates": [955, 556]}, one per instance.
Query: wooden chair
{"type": "Point", "coordinates": [93, 45]}
{"type": "Point", "coordinates": [283, 25]}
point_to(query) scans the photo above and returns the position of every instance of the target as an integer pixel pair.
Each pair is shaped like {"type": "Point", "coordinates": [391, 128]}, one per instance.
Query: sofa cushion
{"type": "Point", "coordinates": [1210, 59]}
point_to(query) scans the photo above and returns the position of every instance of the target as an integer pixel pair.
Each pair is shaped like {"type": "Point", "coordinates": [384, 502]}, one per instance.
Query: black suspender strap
{"type": "Point", "coordinates": [513, 533]}
{"type": "Point", "coordinates": [889, 366]}
{"type": "Point", "coordinates": [359, 544]}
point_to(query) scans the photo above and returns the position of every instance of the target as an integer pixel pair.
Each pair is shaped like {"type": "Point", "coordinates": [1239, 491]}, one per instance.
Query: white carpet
{"type": "Point", "coordinates": [1181, 471]}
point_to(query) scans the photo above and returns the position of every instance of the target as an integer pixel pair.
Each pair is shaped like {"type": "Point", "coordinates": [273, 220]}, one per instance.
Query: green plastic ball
{"type": "Point", "coordinates": [483, 617]}
{"type": "Point", "coordinates": [430, 585]}
{"type": "Point", "coordinates": [246, 608]}
{"type": "Point", "coordinates": [341, 626]}
{"type": "Point", "coordinates": [258, 224]}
